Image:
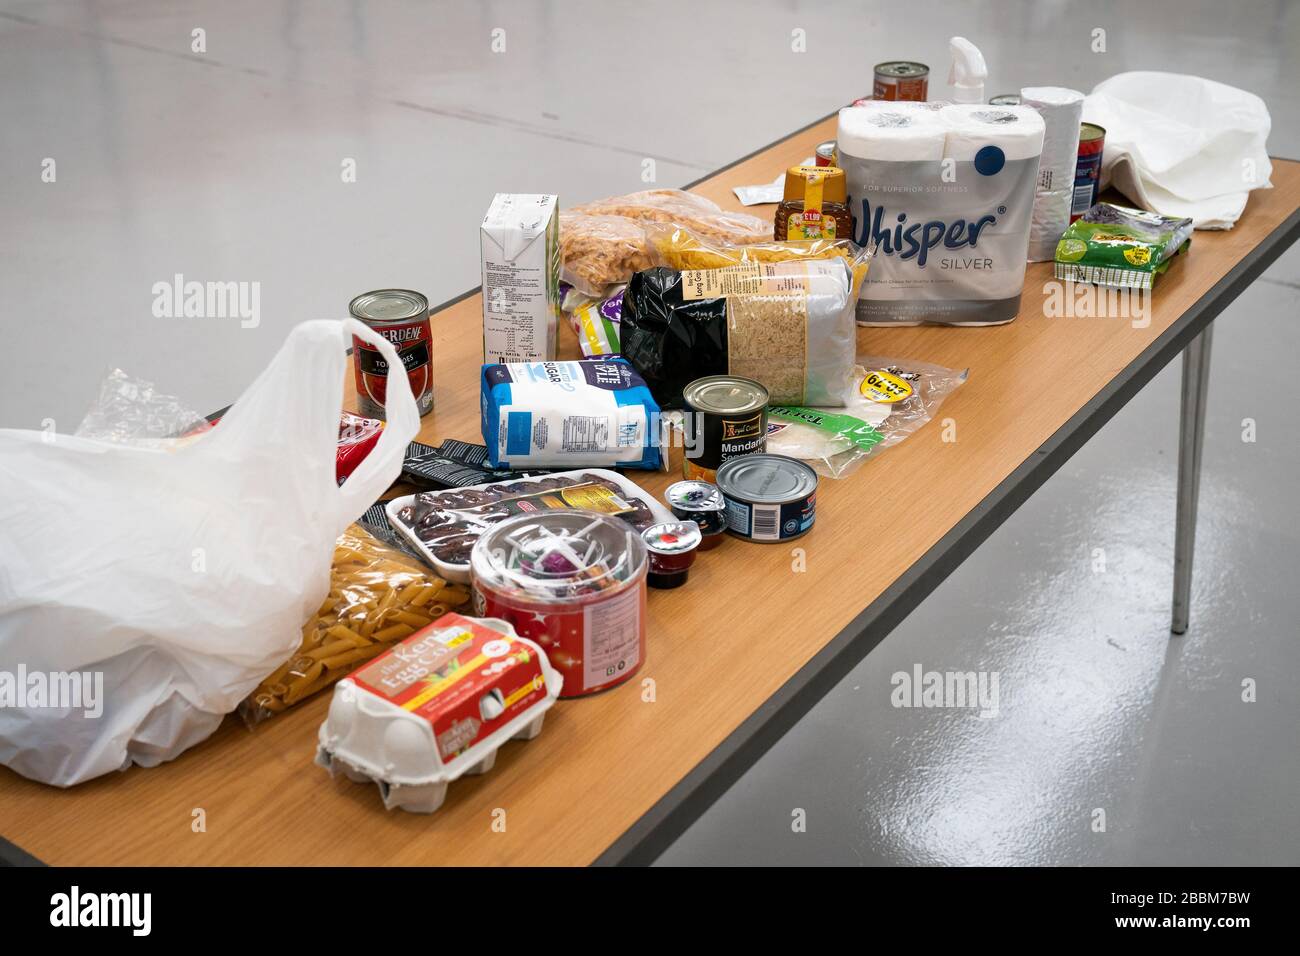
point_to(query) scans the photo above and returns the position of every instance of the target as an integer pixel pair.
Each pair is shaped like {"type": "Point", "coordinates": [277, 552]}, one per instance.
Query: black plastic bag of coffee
{"type": "Point", "coordinates": [671, 341]}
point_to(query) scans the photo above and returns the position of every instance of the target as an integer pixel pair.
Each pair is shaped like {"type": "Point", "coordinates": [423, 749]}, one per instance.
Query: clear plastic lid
{"type": "Point", "coordinates": [558, 557]}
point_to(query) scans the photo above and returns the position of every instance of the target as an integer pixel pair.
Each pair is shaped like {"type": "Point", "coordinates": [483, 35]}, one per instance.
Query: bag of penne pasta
{"type": "Point", "coordinates": [378, 596]}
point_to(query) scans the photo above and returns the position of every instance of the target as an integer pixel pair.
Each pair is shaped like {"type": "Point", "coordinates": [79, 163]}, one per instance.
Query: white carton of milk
{"type": "Point", "coordinates": [520, 241]}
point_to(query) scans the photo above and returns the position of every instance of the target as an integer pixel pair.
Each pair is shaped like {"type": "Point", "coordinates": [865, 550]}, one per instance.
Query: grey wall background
{"type": "Point", "coordinates": [225, 166]}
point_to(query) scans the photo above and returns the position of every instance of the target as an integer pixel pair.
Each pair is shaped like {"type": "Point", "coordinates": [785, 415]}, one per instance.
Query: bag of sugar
{"type": "Point", "coordinates": [584, 414]}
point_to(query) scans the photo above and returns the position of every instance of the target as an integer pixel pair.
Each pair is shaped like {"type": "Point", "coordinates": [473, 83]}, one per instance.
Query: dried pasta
{"type": "Point", "coordinates": [603, 243]}
{"type": "Point", "coordinates": [377, 597]}
{"type": "Point", "coordinates": [681, 248]}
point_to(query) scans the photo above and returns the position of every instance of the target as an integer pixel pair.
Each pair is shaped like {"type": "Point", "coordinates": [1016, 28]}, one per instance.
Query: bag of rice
{"type": "Point", "coordinates": [788, 325]}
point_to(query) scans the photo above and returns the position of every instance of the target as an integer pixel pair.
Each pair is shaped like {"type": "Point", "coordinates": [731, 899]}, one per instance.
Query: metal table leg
{"type": "Point", "coordinates": [1191, 440]}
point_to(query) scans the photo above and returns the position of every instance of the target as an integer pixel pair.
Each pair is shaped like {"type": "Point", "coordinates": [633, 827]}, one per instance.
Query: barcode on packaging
{"type": "Point", "coordinates": [1082, 198]}
{"type": "Point", "coordinates": [767, 522]}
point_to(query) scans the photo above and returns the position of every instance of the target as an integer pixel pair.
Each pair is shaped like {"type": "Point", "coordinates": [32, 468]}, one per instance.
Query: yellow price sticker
{"type": "Point", "coordinates": [885, 388]}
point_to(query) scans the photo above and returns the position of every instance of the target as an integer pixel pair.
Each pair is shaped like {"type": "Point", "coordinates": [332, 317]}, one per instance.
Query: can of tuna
{"type": "Point", "coordinates": [825, 154]}
{"type": "Point", "coordinates": [726, 417]}
{"type": "Point", "coordinates": [1087, 173]}
{"type": "Point", "coordinates": [768, 497]}
{"type": "Point", "coordinates": [1005, 99]}
{"type": "Point", "coordinates": [901, 80]}
{"type": "Point", "coordinates": [402, 317]}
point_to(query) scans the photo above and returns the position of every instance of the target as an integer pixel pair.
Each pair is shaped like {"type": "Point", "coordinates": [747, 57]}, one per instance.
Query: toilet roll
{"type": "Point", "coordinates": [897, 132]}
{"type": "Point", "coordinates": [1062, 112]}
{"type": "Point", "coordinates": [945, 196]}
{"type": "Point", "coordinates": [1017, 131]}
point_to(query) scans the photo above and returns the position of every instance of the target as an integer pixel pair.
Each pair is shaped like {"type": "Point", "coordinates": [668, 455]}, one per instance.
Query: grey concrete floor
{"type": "Point", "coordinates": [224, 165]}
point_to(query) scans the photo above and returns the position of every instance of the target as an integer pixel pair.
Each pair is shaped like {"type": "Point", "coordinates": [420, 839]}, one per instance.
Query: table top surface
{"type": "Point", "coordinates": [720, 648]}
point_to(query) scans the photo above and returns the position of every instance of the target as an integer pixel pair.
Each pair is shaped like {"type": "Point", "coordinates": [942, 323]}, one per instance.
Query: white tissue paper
{"type": "Point", "coordinates": [1182, 145]}
{"type": "Point", "coordinates": [1062, 112]}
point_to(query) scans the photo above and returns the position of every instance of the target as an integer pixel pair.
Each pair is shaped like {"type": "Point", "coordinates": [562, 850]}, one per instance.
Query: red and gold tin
{"type": "Point", "coordinates": [402, 317]}
{"type": "Point", "coordinates": [1087, 172]}
{"type": "Point", "coordinates": [901, 80]}
{"type": "Point", "coordinates": [573, 581]}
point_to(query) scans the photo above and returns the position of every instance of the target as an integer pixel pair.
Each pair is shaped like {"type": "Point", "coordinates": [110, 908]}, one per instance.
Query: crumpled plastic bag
{"type": "Point", "coordinates": [147, 587]}
{"type": "Point", "coordinates": [130, 409]}
{"type": "Point", "coordinates": [1182, 145]}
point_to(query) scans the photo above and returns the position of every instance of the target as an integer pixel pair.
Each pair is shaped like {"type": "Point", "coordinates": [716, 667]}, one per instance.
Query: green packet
{"type": "Point", "coordinates": [848, 427]}
{"type": "Point", "coordinates": [1117, 246]}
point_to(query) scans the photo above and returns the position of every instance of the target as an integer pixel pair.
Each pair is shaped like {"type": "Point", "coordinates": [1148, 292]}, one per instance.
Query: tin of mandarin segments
{"type": "Point", "coordinates": [727, 416]}
{"type": "Point", "coordinates": [1087, 172]}
{"type": "Point", "coordinates": [825, 153]}
{"type": "Point", "coordinates": [901, 80]}
{"type": "Point", "coordinates": [702, 503]}
{"type": "Point", "coordinates": [769, 497]}
{"type": "Point", "coordinates": [402, 317]}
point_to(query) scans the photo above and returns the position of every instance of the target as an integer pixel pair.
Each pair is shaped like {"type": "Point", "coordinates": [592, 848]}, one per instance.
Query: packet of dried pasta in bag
{"type": "Point", "coordinates": [603, 243]}
{"type": "Point", "coordinates": [885, 401]}
{"type": "Point", "coordinates": [679, 248]}
{"type": "Point", "coordinates": [378, 596]}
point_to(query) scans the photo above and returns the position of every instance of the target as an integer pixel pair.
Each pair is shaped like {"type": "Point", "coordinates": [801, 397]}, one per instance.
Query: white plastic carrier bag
{"type": "Point", "coordinates": [1181, 145]}
{"type": "Point", "coordinates": [146, 589]}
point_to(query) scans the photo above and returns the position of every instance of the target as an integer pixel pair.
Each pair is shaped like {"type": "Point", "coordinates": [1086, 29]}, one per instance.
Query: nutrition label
{"type": "Point", "coordinates": [611, 638]}
{"type": "Point", "coordinates": [513, 324]}
{"type": "Point", "coordinates": [754, 278]}
{"type": "Point", "coordinates": [585, 433]}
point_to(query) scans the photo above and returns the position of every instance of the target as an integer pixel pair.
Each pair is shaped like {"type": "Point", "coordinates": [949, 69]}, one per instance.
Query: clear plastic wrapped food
{"type": "Point", "coordinates": [604, 242]}
{"type": "Point", "coordinates": [885, 401]}
{"type": "Point", "coordinates": [377, 597]}
{"type": "Point", "coordinates": [680, 248]}
{"type": "Point", "coordinates": [444, 525]}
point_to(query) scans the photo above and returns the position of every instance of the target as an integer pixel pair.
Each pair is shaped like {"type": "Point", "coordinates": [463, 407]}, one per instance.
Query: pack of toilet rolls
{"type": "Point", "coordinates": [946, 194]}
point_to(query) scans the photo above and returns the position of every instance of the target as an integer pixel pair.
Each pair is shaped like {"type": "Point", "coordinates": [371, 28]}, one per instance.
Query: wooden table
{"type": "Point", "coordinates": [736, 656]}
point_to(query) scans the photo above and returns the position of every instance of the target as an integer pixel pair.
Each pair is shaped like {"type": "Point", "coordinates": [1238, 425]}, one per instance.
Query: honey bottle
{"type": "Point", "coordinates": [814, 206]}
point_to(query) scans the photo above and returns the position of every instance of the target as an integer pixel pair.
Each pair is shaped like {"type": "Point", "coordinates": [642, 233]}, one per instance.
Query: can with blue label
{"type": "Point", "coordinates": [768, 497]}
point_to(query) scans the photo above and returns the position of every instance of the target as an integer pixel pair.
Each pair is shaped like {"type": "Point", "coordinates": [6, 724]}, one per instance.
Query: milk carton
{"type": "Point", "coordinates": [520, 241]}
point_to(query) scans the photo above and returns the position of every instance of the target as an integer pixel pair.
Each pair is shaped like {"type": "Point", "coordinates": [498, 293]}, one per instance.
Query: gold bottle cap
{"type": "Point", "coordinates": [831, 178]}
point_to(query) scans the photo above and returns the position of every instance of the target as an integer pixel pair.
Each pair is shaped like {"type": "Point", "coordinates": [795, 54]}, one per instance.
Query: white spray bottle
{"type": "Point", "coordinates": [968, 72]}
